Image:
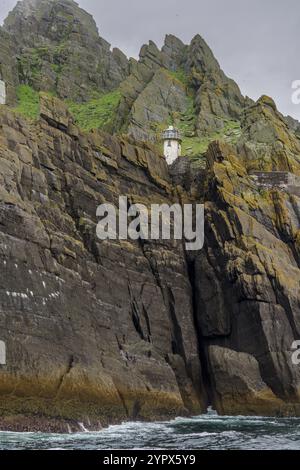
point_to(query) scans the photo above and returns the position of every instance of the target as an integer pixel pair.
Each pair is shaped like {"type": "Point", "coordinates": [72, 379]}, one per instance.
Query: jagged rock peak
{"type": "Point", "coordinates": [174, 51]}
{"type": "Point", "coordinates": [150, 52]}
{"type": "Point", "coordinates": [28, 7]}
{"type": "Point", "coordinates": [50, 20]}
{"type": "Point", "coordinates": [201, 56]}
{"type": "Point", "coordinates": [60, 50]}
{"type": "Point", "coordinates": [173, 42]}
{"type": "Point", "coordinates": [267, 101]}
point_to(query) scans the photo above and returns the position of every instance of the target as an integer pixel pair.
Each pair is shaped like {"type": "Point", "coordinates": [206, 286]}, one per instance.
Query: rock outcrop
{"type": "Point", "coordinates": [96, 332]}
{"type": "Point", "coordinates": [246, 283]}
{"type": "Point", "coordinates": [164, 83]}
{"type": "Point", "coordinates": [8, 67]}
{"type": "Point", "coordinates": [217, 97]}
{"type": "Point", "coordinates": [267, 142]}
{"type": "Point", "coordinates": [60, 51]}
{"type": "Point", "coordinates": [237, 383]}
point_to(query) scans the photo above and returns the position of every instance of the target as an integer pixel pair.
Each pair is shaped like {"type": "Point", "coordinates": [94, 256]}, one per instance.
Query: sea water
{"type": "Point", "coordinates": [208, 431]}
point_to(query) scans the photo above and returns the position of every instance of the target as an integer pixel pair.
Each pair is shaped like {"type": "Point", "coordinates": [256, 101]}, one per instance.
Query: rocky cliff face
{"type": "Point", "coordinates": [165, 85]}
{"type": "Point", "coordinates": [102, 331]}
{"type": "Point", "coordinates": [8, 66]}
{"type": "Point", "coordinates": [95, 332]}
{"type": "Point", "coordinates": [246, 287]}
{"type": "Point", "coordinates": [98, 332]}
{"type": "Point", "coordinates": [60, 51]}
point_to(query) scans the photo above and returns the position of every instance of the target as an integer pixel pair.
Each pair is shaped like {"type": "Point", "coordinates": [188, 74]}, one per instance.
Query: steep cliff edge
{"type": "Point", "coordinates": [247, 277]}
{"type": "Point", "coordinates": [95, 331]}
{"type": "Point", "coordinates": [246, 284]}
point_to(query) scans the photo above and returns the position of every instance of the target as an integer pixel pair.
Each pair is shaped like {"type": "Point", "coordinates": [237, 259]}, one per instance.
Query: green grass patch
{"type": "Point", "coordinates": [98, 113]}
{"type": "Point", "coordinates": [195, 146]}
{"type": "Point", "coordinates": [180, 75]}
{"type": "Point", "coordinates": [28, 102]}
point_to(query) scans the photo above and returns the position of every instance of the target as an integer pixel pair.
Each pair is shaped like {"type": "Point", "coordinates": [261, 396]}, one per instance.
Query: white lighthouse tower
{"type": "Point", "coordinates": [172, 144]}
{"type": "Point", "coordinates": [2, 92]}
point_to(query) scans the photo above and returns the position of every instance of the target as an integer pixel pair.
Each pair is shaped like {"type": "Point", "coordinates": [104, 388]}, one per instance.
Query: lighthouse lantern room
{"type": "Point", "coordinates": [172, 144]}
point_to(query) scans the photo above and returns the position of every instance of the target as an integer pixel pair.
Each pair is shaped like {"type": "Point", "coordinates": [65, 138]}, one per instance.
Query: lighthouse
{"type": "Point", "coordinates": [172, 144]}
{"type": "Point", "coordinates": [2, 92]}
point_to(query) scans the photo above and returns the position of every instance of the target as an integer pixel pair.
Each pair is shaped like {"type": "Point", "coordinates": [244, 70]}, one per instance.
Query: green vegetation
{"type": "Point", "coordinates": [186, 121]}
{"type": "Point", "coordinates": [180, 75]}
{"type": "Point", "coordinates": [98, 113]}
{"type": "Point", "coordinates": [28, 102]}
{"type": "Point", "coordinates": [196, 146]}
{"type": "Point", "coordinates": [193, 145]}
{"type": "Point", "coordinates": [30, 63]}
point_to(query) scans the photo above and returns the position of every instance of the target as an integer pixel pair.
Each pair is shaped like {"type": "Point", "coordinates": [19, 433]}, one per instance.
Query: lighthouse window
{"type": "Point", "coordinates": [169, 143]}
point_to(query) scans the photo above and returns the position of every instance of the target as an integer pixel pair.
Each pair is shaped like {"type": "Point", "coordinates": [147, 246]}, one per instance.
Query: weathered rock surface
{"type": "Point", "coordinates": [217, 97]}
{"type": "Point", "coordinates": [96, 332]}
{"type": "Point", "coordinates": [195, 73]}
{"type": "Point", "coordinates": [8, 66]}
{"type": "Point", "coordinates": [153, 104]}
{"type": "Point", "coordinates": [246, 283]}
{"type": "Point", "coordinates": [267, 142]}
{"type": "Point", "coordinates": [60, 50]}
{"type": "Point", "coordinates": [237, 384]}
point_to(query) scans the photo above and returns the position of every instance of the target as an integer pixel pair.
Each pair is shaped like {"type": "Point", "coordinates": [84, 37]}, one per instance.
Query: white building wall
{"type": "Point", "coordinates": [172, 150]}
{"type": "Point", "coordinates": [2, 92]}
{"type": "Point", "coordinates": [2, 353]}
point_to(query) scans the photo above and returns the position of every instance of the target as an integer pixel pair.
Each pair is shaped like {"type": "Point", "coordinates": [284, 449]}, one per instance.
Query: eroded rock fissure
{"type": "Point", "coordinates": [202, 343]}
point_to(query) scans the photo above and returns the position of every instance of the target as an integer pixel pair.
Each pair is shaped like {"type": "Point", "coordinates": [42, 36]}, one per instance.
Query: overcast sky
{"type": "Point", "coordinates": [255, 41]}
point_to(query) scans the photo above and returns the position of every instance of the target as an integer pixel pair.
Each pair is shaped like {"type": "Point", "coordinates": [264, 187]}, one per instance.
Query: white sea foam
{"type": "Point", "coordinates": [202, 432]}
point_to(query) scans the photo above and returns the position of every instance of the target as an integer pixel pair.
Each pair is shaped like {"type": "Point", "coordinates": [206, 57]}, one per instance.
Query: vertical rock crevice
{"type": "Point", "coordinates": [202, 343]}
